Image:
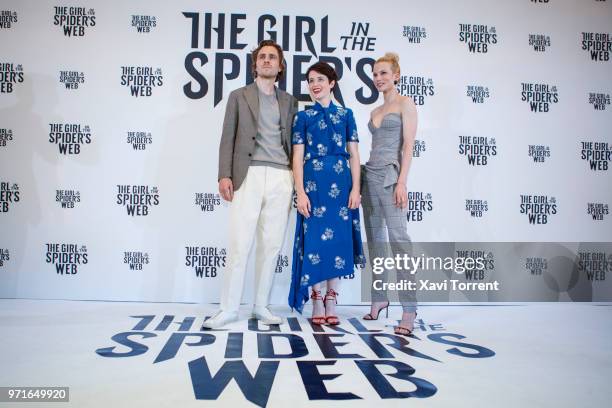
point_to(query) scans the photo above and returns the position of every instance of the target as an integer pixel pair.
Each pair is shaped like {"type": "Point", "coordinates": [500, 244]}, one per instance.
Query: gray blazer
{"type": "Point", "coordinates": [240, 128]}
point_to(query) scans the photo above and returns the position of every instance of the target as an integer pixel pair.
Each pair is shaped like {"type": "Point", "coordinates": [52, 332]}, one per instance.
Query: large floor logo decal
{"type": "Point", "coordinates": [295, 334]}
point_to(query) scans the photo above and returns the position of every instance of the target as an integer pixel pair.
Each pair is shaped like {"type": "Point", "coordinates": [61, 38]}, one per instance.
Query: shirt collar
{"type": "Point", "coordinates": [331, 108]}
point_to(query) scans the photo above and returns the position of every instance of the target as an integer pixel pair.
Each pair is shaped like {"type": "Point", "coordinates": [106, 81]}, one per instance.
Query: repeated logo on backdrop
{"type": "Point", "coordinates": [476, 208]}
{"type": "Point", "coordinates": [206, 262]}
{"type": "Point", "coordinates": [536, 265]}
{"type": "Point", "coordinates": [419, 148]}
{"type": "Point", "coordinates": [539, 42]}
{"type": "Point", "coordinates": [144, 24]}
{"type": "Point", "coordinates": [9, 195]}
{"type": "Point", "coordinates": [414, 34]}
{"type": "Point", "coordinates": [7, 18]}
{"type": "Point", "coordinates": [10, 75]}
{"type": "Point", "coordinates": [5, 256]}
{"type": "Point", "coordinates": [597, 211]}
{"type": "Point", "coordinates": [595, 265]}
{"type": "Point", "coordinates": [417, 87]}
{"type": "Point", "coordinates": [74, 21]}
{"type": "Point", "coordinates": [478, 37]}
{"type": "Point", "coordinates": [596, 154]}
{"type": "Point", "coordinates": [477, 93]}
{"type": "Point", "coordinates": [477, 149]}
{"type": "Point", "coordinates": [135, 260]}
{"type": "Point", "coordinates": [419, 204]}
{"type": "Point", "coordinates": [69, 137]}
{"type": "Point", "coordinates": [67, 258]}
{"type": "Point", "coordinates": [538, 208]}
{"type": "Point", "coordinates": [539, 153]}
{"type": "Point", "coordinates": [139, 140]}
{"type": "Point", "coordinates": [539, 96]}
{"type": "Point", "coordinates": [597, 45]}
{"type": "Point", "coordinates": [141, 80]}
{"type": "Point", "coordinates": [282, 263]}
{"type": "Point", "coordinates": [137, 199]}
{"type": "Point", "coordinates": [477, 271]}
{"type": "Point", "coordinates": [6, 135]}
{"type": "Point", "coordinates": [599, 100]}
{"type": "Point", "coordinates": [67, 198]}
{"type": "Point", "coordinates": [207, 202]}
{"type": "Point", "coordinates": [71, 79]}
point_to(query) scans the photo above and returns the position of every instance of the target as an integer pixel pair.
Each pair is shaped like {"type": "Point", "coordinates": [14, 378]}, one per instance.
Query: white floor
{"type": "Point", "coordinates": [546, 355]}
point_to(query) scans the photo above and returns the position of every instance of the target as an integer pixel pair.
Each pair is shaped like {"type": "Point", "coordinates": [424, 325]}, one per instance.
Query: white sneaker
{"type": "Point", "coordinates": [264, 315]}
{"type": "Point", "coordinates": [220, 319]}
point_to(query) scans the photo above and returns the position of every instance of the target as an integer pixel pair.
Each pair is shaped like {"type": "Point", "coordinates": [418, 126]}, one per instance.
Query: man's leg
{"type": "Point", "coordinates": [243, 216]}
{"type": "Point", "coordinates": [270, 235]}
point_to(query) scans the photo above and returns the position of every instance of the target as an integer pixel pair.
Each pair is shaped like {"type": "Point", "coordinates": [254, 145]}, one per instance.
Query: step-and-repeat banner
{"type": "Point", "coordinates": [111, 115]}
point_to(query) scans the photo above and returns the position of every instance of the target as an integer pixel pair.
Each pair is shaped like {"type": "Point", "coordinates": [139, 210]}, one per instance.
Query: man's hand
{"type": "Point", "coordinates": [226, 188]}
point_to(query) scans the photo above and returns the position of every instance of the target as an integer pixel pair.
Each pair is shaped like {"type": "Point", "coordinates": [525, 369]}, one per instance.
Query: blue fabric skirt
{"type": "Point", "coordinates": [327, 244]}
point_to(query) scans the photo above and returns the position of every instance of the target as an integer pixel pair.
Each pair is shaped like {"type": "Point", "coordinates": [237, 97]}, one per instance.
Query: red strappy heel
{"type": "Point", "coordinates": [316, 295]}
{"type": "Point", "coordinates": [332, 295]}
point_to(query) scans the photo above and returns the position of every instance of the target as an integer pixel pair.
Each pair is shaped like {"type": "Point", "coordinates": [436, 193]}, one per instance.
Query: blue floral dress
{"type": "Point", "coordinates": [328, 243]}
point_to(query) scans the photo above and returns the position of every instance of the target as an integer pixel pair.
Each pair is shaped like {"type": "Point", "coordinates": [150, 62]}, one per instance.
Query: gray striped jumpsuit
{"type": "Point", "coordinates": [386, 225]}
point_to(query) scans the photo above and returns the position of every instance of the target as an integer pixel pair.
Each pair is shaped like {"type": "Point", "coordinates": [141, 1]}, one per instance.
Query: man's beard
{"type": "Point", "coordinates": [267, 76]}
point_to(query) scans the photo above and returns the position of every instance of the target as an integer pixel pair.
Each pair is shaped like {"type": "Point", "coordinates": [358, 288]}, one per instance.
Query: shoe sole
{"type": "Point", "coordinates": [265, 321]}
{"type": "Point", "coordinates": [215, 326]}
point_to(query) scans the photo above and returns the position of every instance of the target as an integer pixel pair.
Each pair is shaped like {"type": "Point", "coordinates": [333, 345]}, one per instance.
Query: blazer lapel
{"type": "Point", "coordinates": [252, 98]}
{"type": "Point", "coordinates": [283, 106]}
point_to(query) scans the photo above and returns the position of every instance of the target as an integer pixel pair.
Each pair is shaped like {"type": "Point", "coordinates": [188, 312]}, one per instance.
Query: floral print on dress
{"type": "Point", "coordinates": [319, 211]}
{"type": "Point", "coordinates": [334, 191]}
{"type": "Point", "coordinates": [338, 139]}
{"type": "Point", "coordinates": [314, 258]}
{"type": "Point", "coordinates": [339, 263]}
{"type": "Point", "coordinates": [297, 138]}
{"type": "Point", "coordinates": [322, 149]}
{"type": "Point", "coordinates": [338, 167]}
{"type": "Point", "coordinates": [310, 186]}
{"type": "Point", "coordinates": [344, 213]}
{"type": "Point", "coordinates": [328, 234]}
{"type": "Point", "coordinates": [335, 118]}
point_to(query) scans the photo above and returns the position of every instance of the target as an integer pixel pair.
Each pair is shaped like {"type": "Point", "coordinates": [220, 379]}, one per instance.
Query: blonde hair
{"type": "Point", "coordinates": [393, 59]}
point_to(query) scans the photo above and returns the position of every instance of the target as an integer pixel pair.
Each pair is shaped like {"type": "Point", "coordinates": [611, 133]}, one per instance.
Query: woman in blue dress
{"type": "Point", "coordinates": [326, 173]}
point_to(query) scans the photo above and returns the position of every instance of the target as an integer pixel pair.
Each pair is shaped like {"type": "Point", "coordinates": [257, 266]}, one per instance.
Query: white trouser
{"type": "Point", "coordinates": [260, 208]}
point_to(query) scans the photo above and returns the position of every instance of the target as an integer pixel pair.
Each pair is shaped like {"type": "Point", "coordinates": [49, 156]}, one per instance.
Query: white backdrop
{"type": "Point", "coordinates": [182, 133]}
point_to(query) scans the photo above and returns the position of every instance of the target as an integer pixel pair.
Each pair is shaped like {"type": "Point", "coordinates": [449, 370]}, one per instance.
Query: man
{"type": "Point", "coordinates": [254, 175]}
